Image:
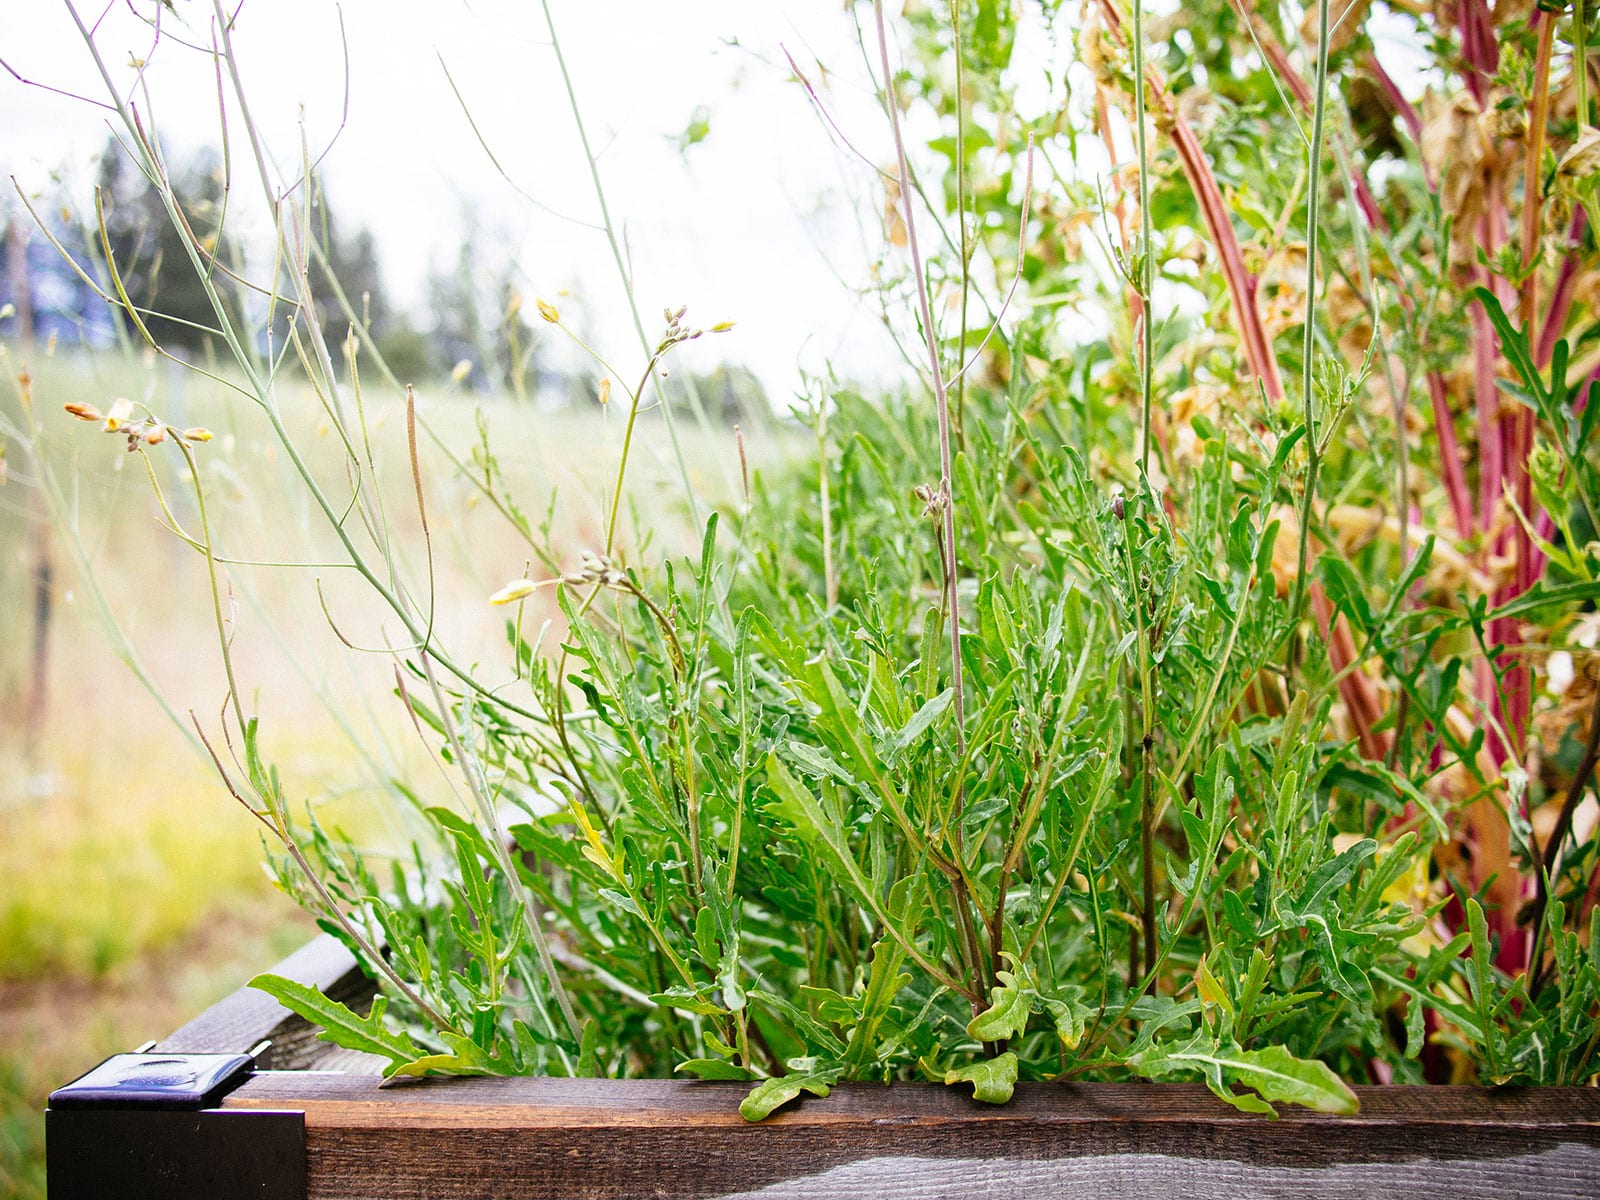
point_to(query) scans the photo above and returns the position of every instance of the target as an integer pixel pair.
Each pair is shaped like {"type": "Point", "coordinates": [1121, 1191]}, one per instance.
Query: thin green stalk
{"type": "Point", "coordinates": [1069, 863]}
{"type": "Point", "coordinates": [945, 499]}
{"type": "Point", "coordinates": [627, 444]}
{"type": "Point", "coordinates": [1580, 61]}
{"type": "Point", "coordinates": [259, 390]}
{"type": "Point", "coordinates": [217, 616]}
{"type": "Point", "coordinates": [961, 216]}
{"type": "Point", "coordinates": [1146, 750]}
{"type": "Point", "coordinates": [1145, 287]}
{"type": "Point", "coordinates": [617, 255]}
{"type": "Point", "coordinates": [498, 839]}
{"type": "Point", "coordinates": [830, 578]}
{"type": "Point", "coordinates": [1308, 342]}
{"type": "Point", "coordinates": [1203, 713]}
{"type": "Point", "coordinates": [941, 399]}
{"type": "Point", "coordinates": [1146, 259]}
{"type": "Point", "coordinates": [274, 817]}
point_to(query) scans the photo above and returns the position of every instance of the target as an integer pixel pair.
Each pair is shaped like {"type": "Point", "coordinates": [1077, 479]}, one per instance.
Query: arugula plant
{"type": "Point", "coordinates": [1155, 700]}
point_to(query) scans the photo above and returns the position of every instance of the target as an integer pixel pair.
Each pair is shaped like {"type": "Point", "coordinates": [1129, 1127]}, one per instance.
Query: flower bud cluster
{"type": "Point", "coordinates": [140, 431]}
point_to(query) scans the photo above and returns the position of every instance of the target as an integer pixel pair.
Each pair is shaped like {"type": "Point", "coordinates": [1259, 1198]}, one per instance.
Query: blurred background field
{"type": "Point", "coordinates": [132, 891]}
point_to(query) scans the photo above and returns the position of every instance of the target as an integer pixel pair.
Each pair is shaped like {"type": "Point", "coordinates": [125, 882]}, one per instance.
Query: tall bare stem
{"type": "Point", "coordinates": [1146, 259]}
{"type": "Point", "coordinates": [941, 399]}
{"type": "Point", "coordinates": [1308, 343]}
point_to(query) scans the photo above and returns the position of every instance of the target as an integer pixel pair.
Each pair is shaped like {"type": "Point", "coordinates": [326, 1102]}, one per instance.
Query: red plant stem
{"type": "Point", "coordinates": [1531, 190]}
{"type": "Point", "coordinates": [1485, 353]}
{"type": "Point", "coordinates": [1478, 47]}
{"type": "Point", "coordinates": [1241, 284]}
{"type": "Point", "coordinates": [1367, 201]}
{"type": "Point", "coordinates": [1360, 696]}
{"type": "Point", "coordinates": [1455, 475]}
{"type": "Point", "coordinates": [1455, 478]}
{"type": "Point", "coordinates": [1561, 298]}
{"type": "Point", "coordinates": [1406, 109]}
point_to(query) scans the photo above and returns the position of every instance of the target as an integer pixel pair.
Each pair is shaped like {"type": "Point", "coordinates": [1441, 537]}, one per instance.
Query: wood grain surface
{"type": "Point", "coordinates": [539, 1138]}
{"type": "Point", "coordinates": [544, 1139]}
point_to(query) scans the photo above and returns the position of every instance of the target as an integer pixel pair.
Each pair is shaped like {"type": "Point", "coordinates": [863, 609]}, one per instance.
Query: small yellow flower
{"type": "Point", "coordinates": [517, 589]}
{"type": "Point", "coordinates": [197, 433]}
{"type": "Point", "coordinates": [121, 410]}
{"type": "Point", "coordinates": [548, 311]}
{"type": "Point", "coordinates": [605, 391]}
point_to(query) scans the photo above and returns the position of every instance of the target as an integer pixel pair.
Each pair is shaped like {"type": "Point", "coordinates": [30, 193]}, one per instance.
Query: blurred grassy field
{"type": "Point", "coordinates": [131, 890]}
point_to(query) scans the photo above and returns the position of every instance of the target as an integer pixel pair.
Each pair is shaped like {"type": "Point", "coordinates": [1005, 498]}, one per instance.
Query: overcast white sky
{"type": "Point", "coordinates": [767, 222]}
{"type": "Point", "coordinates": [755, 224]}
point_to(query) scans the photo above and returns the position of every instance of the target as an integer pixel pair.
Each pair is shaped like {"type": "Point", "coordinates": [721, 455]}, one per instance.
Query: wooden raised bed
{"type": "Point", "coordinates": [314, 1122]}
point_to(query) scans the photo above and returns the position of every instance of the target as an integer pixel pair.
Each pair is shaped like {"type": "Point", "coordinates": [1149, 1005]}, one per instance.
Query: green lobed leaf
{"type": "Point", "coordinates": [921, 720]}
{"type": "Point", "coordinates": [992, 1079]}
{"type": "Point", "coordinates": [1007, 1014]}
{"type": "Point", "coordinates": [713, 1068]}
{"type": "Point", "coordinates": [1273, 1072]}
{"type": "Point", "coordinates": [466, 1057]}
{"type": "Point", "coordinates": [771, 1094]}
{"type": "Point", "coordinates": [1279, 1075]}
{"type": "Point", "coordinates": [340, 1024]}
{"type": "Point", "coordinates": [883, 984]}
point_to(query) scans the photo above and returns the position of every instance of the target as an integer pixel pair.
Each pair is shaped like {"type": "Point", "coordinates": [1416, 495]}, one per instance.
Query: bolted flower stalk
{"type": "Point", "coordinates": [946, 494]}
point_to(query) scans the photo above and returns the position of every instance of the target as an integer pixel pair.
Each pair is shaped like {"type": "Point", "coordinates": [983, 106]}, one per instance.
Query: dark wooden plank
{"type": "Point", "coordinates": [532, 1139]}
{"type": "Point", "coordinates": [522, 1139]}
{"type": "Point", "coordinates": [614, 1103]}
{"type": "Point", "coordinates": [241, 1020]}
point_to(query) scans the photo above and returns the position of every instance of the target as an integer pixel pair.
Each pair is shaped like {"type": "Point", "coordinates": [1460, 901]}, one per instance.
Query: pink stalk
{"type": "Point", "coordinates": [1478, 45]}
{"type": "Point", "coordinates": [1491, 450]}
{"type": "Point", "coordinates": [1367, 202]}
{"type": "Point", "coordinates": [1455, 475]}
{"type": "Point", "coordinates": [1197, 170]}
{"type": "Point", "coordinates": [1241, 284]}
{"type": "Point", "coordinates": [1408, 111]}
{"type": "Point", "coordinates": [1355, 688]}
{"type": "Point", "coordinates": [1561, 299]}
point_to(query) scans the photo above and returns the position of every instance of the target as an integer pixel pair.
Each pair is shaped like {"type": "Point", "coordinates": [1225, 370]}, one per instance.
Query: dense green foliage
{"type": "Point", "coordinates": [1235, 775]}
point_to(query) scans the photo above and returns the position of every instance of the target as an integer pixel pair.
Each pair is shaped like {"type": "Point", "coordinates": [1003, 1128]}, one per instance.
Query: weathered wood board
{"type": "Point", "coordinates": [527, 1138]}
{"type": "Point", "coordinates": [522, 1139]}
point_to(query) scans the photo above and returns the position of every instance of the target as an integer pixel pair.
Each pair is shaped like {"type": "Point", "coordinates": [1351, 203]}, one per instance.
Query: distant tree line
{"type": "Point", "coordinates": [477, 329]}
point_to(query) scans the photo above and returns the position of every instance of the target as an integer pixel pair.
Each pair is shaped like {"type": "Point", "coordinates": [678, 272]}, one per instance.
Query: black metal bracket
{"type": "Point", "coordinates": [146, 1127]}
